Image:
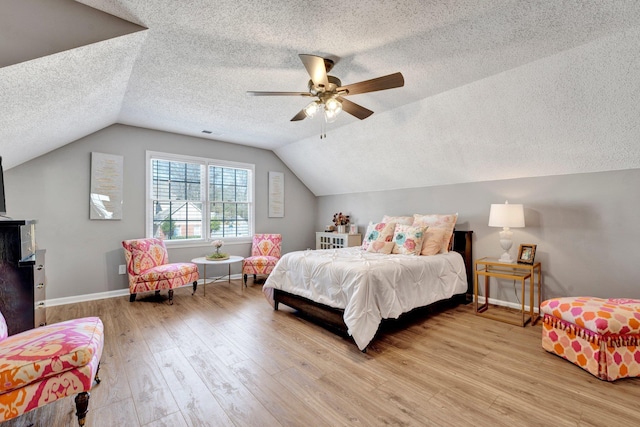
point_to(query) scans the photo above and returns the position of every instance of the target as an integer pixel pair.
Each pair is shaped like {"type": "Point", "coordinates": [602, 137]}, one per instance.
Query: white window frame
{"type": "Point", "coordinates": [206, 215]}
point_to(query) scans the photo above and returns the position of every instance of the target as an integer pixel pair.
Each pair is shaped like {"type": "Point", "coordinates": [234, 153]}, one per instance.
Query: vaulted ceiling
{"type": "Point", "coordinates": [493, 88]}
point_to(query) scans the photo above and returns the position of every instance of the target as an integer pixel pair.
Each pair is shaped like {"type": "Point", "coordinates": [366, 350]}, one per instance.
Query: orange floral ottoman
{"type": "Point", "coordinates": [602, 336]}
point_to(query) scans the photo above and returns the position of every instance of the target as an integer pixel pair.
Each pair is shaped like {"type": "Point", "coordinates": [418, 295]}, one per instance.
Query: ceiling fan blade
{"type": "Point", "coordinates": [300, 116]}
{"type": "Point", "coordinates": [260, 93]}
{"type": "Point", "coordinates": [380, 83]}
{"type": "Point", "coordinates": [316, 69]}
{"type": "Point", "coordinates": [354, 109]}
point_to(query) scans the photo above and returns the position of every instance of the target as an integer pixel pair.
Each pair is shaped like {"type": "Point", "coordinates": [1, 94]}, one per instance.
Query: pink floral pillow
{"type": "Point", "coordinates": [438, 222]}
{"type": "Point", "coordinates": [381, 232]}
{"type": "Point", "coordinates": [406, 220]}
{"type": "Point", "coordinates": [381, 247]}
{"type": "Point", "coordinates": [408, 239]}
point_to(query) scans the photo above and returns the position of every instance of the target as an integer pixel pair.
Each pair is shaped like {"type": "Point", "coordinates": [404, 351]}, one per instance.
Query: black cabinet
{"type": "Point", "coordinates": [22, 278]}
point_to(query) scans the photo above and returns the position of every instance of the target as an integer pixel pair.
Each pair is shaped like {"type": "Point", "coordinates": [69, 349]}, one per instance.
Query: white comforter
{"type": "Point", "coordinates": [368, 286]}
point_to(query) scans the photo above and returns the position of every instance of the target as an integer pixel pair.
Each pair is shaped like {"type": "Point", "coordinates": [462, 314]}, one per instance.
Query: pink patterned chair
{"type": "Point", "coordinates": [42, 365]}
{"type": "Point", "coordinates": [265, 253]}
{"type": "Point", "coordinates": [149, 268]}
{"type": "Point", "coordinates": [602, 336]}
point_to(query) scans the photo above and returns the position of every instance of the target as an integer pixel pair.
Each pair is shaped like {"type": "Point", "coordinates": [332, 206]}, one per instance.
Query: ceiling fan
{"type": "Point", "coordinates": [330, 93]}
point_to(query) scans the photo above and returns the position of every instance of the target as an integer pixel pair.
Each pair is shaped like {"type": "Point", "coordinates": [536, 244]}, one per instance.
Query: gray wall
{"type": "Point", "coordinates": [83, 255]}
{"type": "Point", "coordinates": [585, 226]}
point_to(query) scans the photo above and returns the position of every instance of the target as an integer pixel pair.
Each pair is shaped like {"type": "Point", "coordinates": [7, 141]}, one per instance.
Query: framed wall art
{"type": "Point", "coordinates": [276, 195]}
{"type": "Point", "coordinates": [105, 198]}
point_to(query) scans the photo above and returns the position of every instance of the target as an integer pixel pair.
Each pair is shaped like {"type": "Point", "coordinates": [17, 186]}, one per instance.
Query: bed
{"type": "Point", "coordinates": [353, 291]}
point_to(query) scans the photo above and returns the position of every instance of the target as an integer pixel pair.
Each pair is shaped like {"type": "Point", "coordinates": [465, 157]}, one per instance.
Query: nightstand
{"type": "Point", "coordinates": [492, 267]}
{"type": "Point", "coordinates": [329, 240]}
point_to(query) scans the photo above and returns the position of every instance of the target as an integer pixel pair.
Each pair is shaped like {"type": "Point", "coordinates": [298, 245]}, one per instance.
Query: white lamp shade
{"type": "Point", "coordinates": [506, 215]}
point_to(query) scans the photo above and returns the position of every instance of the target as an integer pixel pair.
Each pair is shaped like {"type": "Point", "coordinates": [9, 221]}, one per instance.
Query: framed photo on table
{"type": "Point", "coordinates": [353, 229]}
{"type": "Point", "coordinates": [526, 254]}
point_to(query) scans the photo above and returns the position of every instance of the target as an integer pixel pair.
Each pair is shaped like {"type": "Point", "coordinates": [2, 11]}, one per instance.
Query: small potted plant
{"type": "Point", "coordinates": [217, 255]}
{"type": "Point", "coordinates": [341, 221]}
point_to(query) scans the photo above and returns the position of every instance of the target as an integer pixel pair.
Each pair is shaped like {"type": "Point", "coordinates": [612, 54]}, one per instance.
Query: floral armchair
{"type": "Point", "coordinates": [42, 365]}
{"type": "Point", "coordinates": [265, 253]}
{"type": "Point", "coordinates": [149, 269]}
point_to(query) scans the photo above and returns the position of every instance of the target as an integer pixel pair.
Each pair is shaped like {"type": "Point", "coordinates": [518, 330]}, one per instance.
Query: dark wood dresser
{"type": "Point", "coordinates": [22, 278]}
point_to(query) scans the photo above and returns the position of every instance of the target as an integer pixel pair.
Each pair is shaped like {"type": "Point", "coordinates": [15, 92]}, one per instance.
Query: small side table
{"type": "Point", "coordinates": [204, 261]}
{"type": "Point", "coordinates": [492, 267]}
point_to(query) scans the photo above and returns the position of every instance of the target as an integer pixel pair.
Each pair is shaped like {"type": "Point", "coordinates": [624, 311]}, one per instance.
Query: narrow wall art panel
{"type": "Point", "coordinates": [106, 186]}
{"type": "Point", "coordinates": [276, 195]}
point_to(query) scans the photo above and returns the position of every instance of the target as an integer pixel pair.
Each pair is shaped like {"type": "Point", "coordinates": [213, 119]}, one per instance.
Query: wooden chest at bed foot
{"type": "Point", "coordinates": [602, 336]}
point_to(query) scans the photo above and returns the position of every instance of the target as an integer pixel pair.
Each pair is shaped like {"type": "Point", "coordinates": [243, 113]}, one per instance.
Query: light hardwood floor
{"type": "Point", "coordinates": [230, 359]}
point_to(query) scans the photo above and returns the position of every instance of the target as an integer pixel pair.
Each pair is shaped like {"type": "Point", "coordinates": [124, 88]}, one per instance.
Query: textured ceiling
{"type": "Point", "coordinates": [188, 65]}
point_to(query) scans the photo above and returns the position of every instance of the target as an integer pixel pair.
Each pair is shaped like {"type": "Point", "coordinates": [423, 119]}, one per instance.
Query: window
{"type": "Point", "coordinates": [193, 199]}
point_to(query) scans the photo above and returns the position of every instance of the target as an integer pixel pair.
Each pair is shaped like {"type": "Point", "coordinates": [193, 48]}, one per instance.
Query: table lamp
{"type": "Point", "coordinates": [506, 216]}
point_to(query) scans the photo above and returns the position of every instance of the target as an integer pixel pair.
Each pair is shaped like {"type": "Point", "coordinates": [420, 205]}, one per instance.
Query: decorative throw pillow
{"type": "Point", "coordinates": [381, 247]}
{"type": "Point", "coordinates": [408, 239]}
{"type": "Point", "coordinates": [434, 240]}
{"type": "Point", "coordinates": [381, 232]}
{"type": "Point", "coordinates": [405, 220]}
{"type": "Point", "coordinates": [437, 222]}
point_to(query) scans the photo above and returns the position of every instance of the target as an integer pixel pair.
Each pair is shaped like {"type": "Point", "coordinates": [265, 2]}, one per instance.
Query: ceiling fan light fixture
{"type": "Point", "coordinates": [311, 109]}
{"type": "Point", "coordinates": [330, 116]}
{"type": "Point", "coordinates": [328, 90]}
{"type": "Point", "coordinates": [334, 105]}
{"type": "Point", "coordinates": [332, 108]}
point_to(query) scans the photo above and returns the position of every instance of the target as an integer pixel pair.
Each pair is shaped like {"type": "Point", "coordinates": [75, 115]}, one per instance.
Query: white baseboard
{"type": "Point", "coordinates": [111, 294]}
{"type": "Point", "coordinates": [86, 297]}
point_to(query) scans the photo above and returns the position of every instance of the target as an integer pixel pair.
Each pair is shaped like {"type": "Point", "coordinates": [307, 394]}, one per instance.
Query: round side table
{"type": "Point", "coordinates": [204, 261]}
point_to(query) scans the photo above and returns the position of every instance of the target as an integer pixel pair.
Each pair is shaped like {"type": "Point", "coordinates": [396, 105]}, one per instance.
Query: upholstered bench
{"type": "Point", "coordinates": [602, 336]}
{"type": "Point", "coordinates": [42, 365]}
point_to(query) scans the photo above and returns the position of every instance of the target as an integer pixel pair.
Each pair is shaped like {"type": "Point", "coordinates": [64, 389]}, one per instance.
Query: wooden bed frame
{"type": "Point", "coordinates": [333, 317]}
